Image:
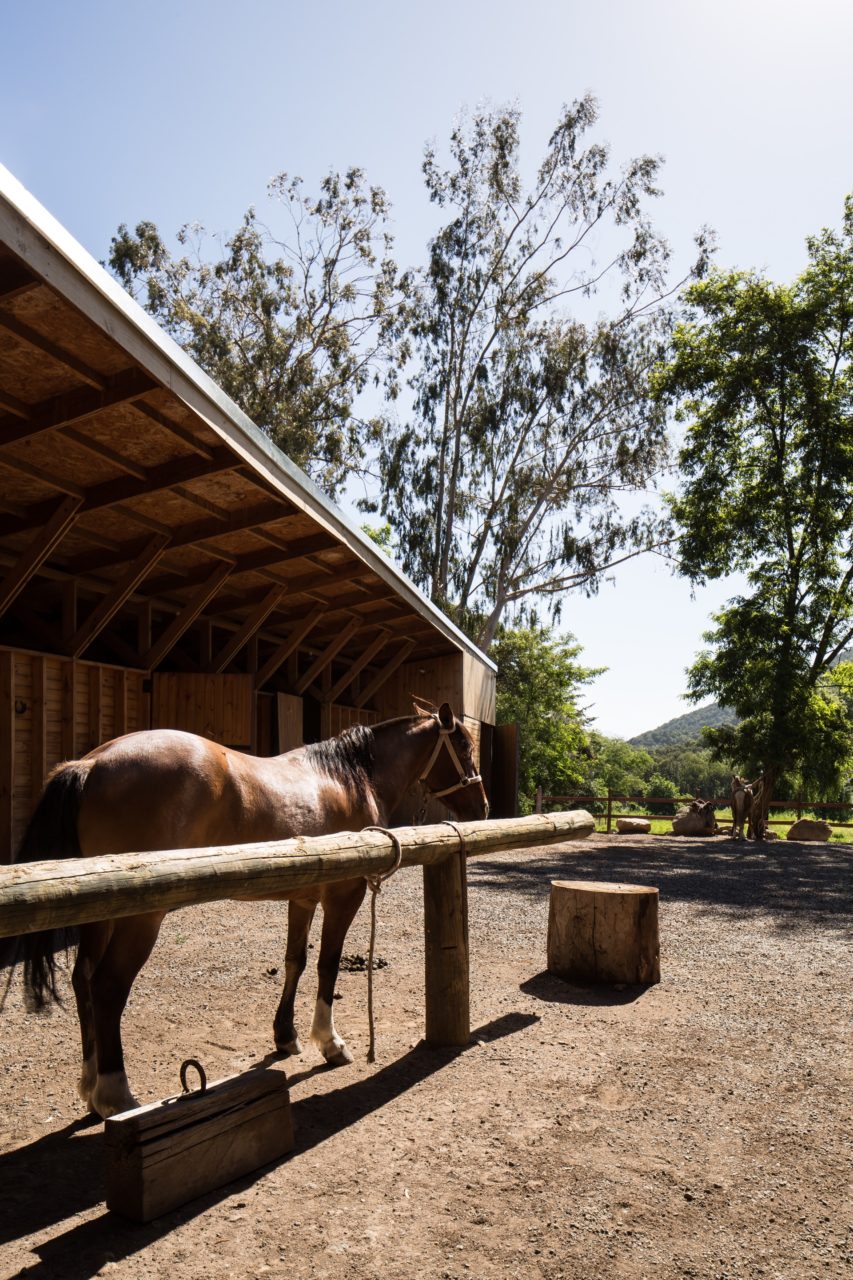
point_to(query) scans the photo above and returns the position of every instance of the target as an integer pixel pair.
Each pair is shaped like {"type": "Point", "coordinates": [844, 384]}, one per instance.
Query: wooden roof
{"type": "Point", "coordinates": [140, 508]}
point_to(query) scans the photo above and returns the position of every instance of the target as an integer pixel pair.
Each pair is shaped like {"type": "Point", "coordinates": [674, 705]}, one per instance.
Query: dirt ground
{"type": "Point", "coordinates": [698, 1128]}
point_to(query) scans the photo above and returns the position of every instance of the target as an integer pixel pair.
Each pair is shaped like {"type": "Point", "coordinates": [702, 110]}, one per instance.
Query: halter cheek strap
{"type": "Point", "coordinates": [463, 780]}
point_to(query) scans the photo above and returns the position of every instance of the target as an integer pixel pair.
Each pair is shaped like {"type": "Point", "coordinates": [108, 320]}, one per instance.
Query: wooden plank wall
{"type": "Point", "coordinates": [54, 709]}
{"type": "Point", "coordinates": [218, 707]}
{"type": "Point", "coordinates": [439, 680]}
{"type": "Point", "coordinates": [334, 718]}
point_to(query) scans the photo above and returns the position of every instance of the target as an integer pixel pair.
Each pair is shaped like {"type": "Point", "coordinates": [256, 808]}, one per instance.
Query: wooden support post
{"type": "Point", "coordinates": [255, 620]}
{"type": "Point", "coordinates": [39, 724]}
{"type": "Point", "coordinates": [120, 695]}
{"type": "Point", "coordinates": [7, 752]}
{"type": "Point", "coordinates": [609, 811]}
{"type": "Point", "coordinates": [143, 623]}
{"type": "Point", "coordinates": [198, 601]}
{"type": "Point", "coordinates": [331, 650]}
{"type": "Point", "coordinates": [69, 610]}
{"type": "Point", "coordinates": [95, 729]}
{"type": "Point", "coordinates": [119, 593]}
{"type": "Point", "coordinates": [375, 647]}
{"type": "Point", "coordinates": [600, 932]}
{"type": "Point", "coordinates": [448, 1017]}
{"type": "Point", "coordinates": [289, 647]}
{"type": "Point", "coordinates": [385, 674]}
{"type": "Point", "coordinates": [538, 808]}
{"type": "Point", "coordinates": [69, 709]}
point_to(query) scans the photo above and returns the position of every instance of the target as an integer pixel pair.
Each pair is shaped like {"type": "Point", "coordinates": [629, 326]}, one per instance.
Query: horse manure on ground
{"type": "Point", "coordinates": [358, 963]}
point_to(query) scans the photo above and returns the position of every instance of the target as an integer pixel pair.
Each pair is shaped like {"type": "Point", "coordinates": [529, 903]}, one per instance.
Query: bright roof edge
{"type": "Point", "coordinates": [38, 238]}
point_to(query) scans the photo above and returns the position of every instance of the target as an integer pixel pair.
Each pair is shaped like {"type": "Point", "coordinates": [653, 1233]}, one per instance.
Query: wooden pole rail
{"type": "Point", "coordinates": [47, 895]}
{"type": "Point", "coordinates": [50, 894]}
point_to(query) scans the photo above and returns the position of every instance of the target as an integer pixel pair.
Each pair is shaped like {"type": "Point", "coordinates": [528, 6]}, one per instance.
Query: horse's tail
{"type": "Point", "coordinates": [51, 833]}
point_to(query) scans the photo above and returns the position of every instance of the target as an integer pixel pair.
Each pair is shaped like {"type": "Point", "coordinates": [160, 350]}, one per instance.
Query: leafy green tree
{"type": "Point", "coordinates": [529, 421]}
{"type": "Point", "coordinates": [763, 378]}
{"type": "Point", "coordinates": [617, 766]}
{"type": "Point", "coordinates": [539, 682]}
{"type": "Point", "coordinates": [293, 329]}
{"type": "Point", "coordinates": [693, 770]}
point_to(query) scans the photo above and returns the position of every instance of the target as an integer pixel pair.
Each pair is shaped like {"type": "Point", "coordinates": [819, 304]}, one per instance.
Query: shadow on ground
{"type": "Point", "coordinates": [552, 990]}
{"type": "Point", "coordinates": [797, 884]}
{"type": "Point", "coordinates": [61, 1175]}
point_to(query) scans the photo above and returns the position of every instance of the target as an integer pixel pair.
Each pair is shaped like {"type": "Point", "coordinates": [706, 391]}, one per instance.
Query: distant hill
{"type": "Point", "coordinates": [686, 728]}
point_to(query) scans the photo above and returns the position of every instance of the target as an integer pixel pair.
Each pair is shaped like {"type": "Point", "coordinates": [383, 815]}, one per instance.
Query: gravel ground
{"type": "Point", "coordinates": [697, 1128]}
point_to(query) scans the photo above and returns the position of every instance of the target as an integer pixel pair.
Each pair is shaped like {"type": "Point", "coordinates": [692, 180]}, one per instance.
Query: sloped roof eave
{"type": "Point", "coordinates": [53, 253]}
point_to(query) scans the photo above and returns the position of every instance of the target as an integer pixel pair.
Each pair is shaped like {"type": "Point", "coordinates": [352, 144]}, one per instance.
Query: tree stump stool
{"type": "Point", "coordinates": [601, 932]}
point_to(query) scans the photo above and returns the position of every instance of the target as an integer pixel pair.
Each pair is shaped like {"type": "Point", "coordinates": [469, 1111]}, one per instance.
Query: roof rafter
{"type": "Point", "coordinates": [110, 493]}
{"type": "Point", "coordinates": [62, 518]}
{"type": "Point", "coordinates": [108, 607]}
{"type": "Point", "coordinates": [52, 349]}
{"type": "Point", "coordinates": [73, 406]}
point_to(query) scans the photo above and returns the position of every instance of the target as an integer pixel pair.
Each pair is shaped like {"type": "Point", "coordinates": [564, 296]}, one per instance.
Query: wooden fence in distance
{"type": "Point", "coordinates": [642, 802]}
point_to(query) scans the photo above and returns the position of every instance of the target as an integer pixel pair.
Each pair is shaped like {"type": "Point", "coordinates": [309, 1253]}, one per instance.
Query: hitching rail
{"type": "Point", "coordinates": [46, 895]}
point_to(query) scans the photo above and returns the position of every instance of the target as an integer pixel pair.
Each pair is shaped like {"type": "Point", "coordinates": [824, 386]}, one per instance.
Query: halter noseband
{"type": "Point", "coordinates": [463, 780]}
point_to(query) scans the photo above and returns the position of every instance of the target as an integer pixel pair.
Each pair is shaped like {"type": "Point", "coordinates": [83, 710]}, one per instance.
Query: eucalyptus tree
{"type": "Point", "coordinates": [762, 375]}
{"type": "Point", "coordinates": [530, 416]}
{"type": "Point", "coordinates": [294, 325]}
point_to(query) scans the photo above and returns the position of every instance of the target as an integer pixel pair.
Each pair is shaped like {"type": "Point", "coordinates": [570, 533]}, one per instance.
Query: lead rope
{"type": "Point", "coordinates": [375, 885]}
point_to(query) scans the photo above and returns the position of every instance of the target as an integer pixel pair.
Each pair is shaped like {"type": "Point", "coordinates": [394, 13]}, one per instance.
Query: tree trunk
{"type": "Point", "coordinates": [599, 932]}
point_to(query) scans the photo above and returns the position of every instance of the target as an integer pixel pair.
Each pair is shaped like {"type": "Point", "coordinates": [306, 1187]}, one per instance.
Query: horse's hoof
{"type": "Point", "coordinates": [290, 1048]}
{"type": "Point", "coordinates": [111, 1096]}
{"type": "Point", "coordinates": [339, 1057]}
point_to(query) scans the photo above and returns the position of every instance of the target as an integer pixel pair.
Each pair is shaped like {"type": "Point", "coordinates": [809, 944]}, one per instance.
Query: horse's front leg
{"type": "Point", "coordinates": [129, 947]}
{"type": "Point", "coordinates": [340, 904]}
{"type": "Point", "coordinates": [299, 917]}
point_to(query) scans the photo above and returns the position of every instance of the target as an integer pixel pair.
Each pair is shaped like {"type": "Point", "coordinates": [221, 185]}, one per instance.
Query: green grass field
{"type": "Point", "coordinates": [786, 817]}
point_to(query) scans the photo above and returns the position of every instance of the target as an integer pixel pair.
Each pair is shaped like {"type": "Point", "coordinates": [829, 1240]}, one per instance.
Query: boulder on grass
{"type": "Point", "coordinates": [634, 826]}
{"type": "Point", "coordinates": [809, 829]}
{"type": "Point", "coordinates": [697, 820]}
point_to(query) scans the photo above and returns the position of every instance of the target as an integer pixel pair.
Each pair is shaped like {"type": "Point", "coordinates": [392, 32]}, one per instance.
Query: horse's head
{"type": "Point", "coordinates": [451, 772]}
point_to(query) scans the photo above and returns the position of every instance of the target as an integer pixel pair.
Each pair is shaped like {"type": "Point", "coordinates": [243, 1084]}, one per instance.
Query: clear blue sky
{"type": "Point", "coordinates": [181, 111]}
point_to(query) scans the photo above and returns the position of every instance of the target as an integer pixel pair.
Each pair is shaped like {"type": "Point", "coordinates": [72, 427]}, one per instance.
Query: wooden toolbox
{"type": "Point", "coordinates": [164, 1154]}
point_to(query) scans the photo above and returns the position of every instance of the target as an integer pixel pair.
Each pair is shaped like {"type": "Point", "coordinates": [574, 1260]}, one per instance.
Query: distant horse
{"type": "Point", "coordinates": [748, 808]}
{"type": "Point", "coordinates": [163, 789]}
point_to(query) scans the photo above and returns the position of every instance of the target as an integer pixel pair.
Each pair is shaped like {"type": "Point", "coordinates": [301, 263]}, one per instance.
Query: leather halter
{"type": "Point", "coordinates": [463, 780]}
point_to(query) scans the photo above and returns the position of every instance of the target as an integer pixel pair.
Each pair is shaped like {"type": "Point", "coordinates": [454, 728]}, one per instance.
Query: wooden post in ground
{"type": "Point", "coordinates": [609, 811]}
{"type": "Point", "coordinates": [599, 932]}
{"type": "Point", "coordinates": [538, 800]}
{"type": "Point", "coordinates": [448, 1018]}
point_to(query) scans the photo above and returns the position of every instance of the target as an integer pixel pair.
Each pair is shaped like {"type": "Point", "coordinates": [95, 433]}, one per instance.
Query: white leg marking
{"type": "Point", "coordinates": [112, 1095]}
{"type": "Point", "coordinates": [325, 1037]}
{"type": "Point", "coordinates": [88, 1079]}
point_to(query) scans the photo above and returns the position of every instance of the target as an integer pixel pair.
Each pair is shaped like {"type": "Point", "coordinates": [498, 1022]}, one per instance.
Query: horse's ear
{"type": "Point", "coordinates": [445, 715]}
{"type": "Point", "coordinates": [423, 706]}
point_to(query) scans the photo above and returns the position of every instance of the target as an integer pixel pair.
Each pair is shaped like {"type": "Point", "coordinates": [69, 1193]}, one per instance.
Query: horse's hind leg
{"type": "Point", "coordinates": [93, 943]}
{"type": "Point", "coordinates": [129, 947]}
{"type": "Point", "coordinates": [340, 904]}
{"type": "Point", "coordinates": [299, 917]}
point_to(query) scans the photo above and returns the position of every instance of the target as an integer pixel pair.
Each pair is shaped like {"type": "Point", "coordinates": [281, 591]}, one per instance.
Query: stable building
{"type": "Point", "coordinates": [162, 564]}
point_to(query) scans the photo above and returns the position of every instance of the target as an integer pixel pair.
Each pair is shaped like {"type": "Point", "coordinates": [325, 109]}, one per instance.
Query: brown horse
{"type": "Point", "coordinates": [163, 789]}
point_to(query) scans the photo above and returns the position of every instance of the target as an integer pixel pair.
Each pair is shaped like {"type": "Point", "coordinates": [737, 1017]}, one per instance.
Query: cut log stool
{"type": "Point", "coordinates": [600, 932]}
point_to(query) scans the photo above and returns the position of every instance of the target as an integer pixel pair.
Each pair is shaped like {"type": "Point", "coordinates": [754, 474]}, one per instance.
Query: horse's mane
{"type": "Point", "coordinates": [349, 758]}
